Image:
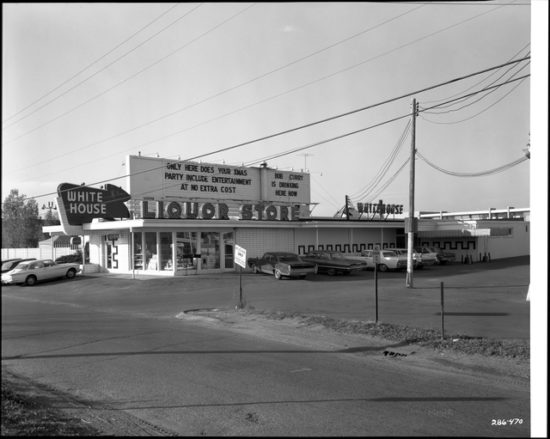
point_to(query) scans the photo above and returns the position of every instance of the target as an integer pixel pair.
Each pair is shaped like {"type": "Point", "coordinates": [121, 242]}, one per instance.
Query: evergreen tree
{"type": "Point", "coordinates": [21, 224]}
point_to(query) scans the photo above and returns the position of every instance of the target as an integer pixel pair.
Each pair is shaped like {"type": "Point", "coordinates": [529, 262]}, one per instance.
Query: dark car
{"type": "Point", "coordinates": [332, 262]}
{"type": "Point", "coordinates": [443, 257]}
{"type": "Point", "coordinates": [282, 264]}
{"type": "Point", "coordinates": [75, 257]}
{"type": "Point", "coordinates": [10, 264]}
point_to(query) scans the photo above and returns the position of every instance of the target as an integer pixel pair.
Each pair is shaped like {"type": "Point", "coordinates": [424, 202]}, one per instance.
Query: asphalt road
{"type": "Point", "coordinates": [118, 344]}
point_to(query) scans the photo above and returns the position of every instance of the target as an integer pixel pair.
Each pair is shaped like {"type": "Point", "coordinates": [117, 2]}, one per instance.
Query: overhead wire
{"type": "Point", "coordinates": [221, 93]}
{"type": "Point", "coordinates": [451, 110]}
{"type": "Point", "coordinates": [288, 151]}
{"type": "Point", "coordinates": [302, 148]}
{"type": "Point", "coordinates": [480, 81]}
{"type": "Point", "coordinates": [358, 64]}
{"type": "Point", "coordinates": [385, 166]}
{"type": "Point", "coordinates": [388, 181]}
{"type": "Point", "coordinates": [337, 116]}
{"type": "Point", "coordinates": [480, 112]}
{"type": "Point", "coordinates": [130, 77]}
{"type": "Point", "coordinates": [90, 65]}
{"type": "Point", "coordinates": [496, 170]}
{"type": "Point", "coordinates": [95, 74]}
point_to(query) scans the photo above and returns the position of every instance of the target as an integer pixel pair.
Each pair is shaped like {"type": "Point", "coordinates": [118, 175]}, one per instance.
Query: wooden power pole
{"type": "Point", "coordinates": [411, 226]}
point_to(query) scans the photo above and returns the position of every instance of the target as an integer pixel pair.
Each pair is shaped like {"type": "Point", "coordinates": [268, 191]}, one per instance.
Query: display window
{"type": "Point", "coordinates": [151, 256]}
{"type": "Point", "coordinates": [138, 251]}
{"type": "Point", "coordinates": [165, 262]}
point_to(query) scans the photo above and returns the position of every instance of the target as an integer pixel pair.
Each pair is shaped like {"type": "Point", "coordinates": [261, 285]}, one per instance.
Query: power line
{"type": "Point", "coordinates": [389, 181]}
{"type": "Point", "coordinates": [451, 110]}
{"type": "Point", "coordinates": [99, 71]}
{"type": "Point", "coordinates": [478, 113]}
{"type": "Point", "coordinates": [385, 166]}
{"type": "Point", "coordinates": [293, 150]}
{"type": "Point", "coordinates": [479, 82]}
{"type": "Point", "coordinates": [496, 170]}
{"type": "Point", "coordinates": [303, 85]}
{"type": "Point", "coordinates": [331, 118]}
{"type": "Point", "coordinates": [247, 82]}
{"type": "Point", "coordinates": [130, 77]}
{"type": "Point", "coordinates": [88, 66]}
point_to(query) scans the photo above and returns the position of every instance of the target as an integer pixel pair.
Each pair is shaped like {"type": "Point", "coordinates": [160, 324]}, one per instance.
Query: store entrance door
{"type": "Point", "coordinates": [210, 251]}
{"type": "Point", "coordinates": [187, 259]}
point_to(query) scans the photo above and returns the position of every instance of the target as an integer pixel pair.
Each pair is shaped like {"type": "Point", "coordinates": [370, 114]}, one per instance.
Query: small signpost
{"type": "Point", "coordinates": [376, 261]}
{"type": "Point", "coordinates": [240, 260]}
{"type": "Point", "coordinates": [442, 311]}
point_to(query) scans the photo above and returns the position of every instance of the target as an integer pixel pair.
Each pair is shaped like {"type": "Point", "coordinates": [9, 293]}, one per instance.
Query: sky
{"type": "Point", "coordinates": [85, 84]}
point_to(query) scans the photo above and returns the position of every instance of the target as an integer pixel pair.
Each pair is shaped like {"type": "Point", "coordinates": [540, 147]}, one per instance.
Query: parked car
{"type": "Point", "coordinates": [418, 261]}
{"type": "Point", "coordinates": [387, 259]}
{"type": "Point", "coordinates": [74, 257]}
{"type": "Point", "coordinates": [10, 264]}
{"type": "Point", "coordinates": [429, 257]}
{"type": "Point", "coordinates": [332, 262]}
{"type": "Point", "coordinates": [443, 257]}
{"type": "Point", "coordinates": [282, 264]}
{"type": "Point", "coordinates": [31, 272]}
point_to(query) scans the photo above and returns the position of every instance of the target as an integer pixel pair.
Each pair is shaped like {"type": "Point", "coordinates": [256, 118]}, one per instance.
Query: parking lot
{"type": "Point", "coordinates": [481, 300]}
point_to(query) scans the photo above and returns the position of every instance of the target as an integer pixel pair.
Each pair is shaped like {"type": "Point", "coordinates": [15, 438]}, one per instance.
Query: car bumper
{"type": "Point", "coordinates": [301, 272]}
{"type": "Point", "coordinates": [7, 280]}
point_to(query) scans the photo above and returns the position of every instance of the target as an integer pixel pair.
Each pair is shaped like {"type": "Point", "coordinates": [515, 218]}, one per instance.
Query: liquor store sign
{"type": "Point", "coordinates": [81, 204]}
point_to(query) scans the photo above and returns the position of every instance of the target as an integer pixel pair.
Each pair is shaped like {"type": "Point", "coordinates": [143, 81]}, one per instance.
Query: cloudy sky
{"type": "Point", "coordinates": [85, 84]}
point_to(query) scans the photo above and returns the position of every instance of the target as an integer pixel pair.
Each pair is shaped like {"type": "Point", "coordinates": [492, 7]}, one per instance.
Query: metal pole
{"type": "Point", "coordinates": [133, 254]}
{"type": "Point", "coordinates": [376, 290]}
{"type": "Point", "coordinates": [442, 312]}
{"type": "Point", "coordinates": [409, 280]}
{"type": "Point", "coordinates": [241, 287]}
{"type": "Point", "coordinates": [83, 254]}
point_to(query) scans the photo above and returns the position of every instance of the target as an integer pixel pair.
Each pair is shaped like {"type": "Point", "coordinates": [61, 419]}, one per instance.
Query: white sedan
{"type": "Point", "coordinates": [29, 273]}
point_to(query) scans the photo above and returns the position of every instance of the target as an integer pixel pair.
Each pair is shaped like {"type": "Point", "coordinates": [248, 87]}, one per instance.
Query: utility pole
{"type": "Point", "coordinates": [411, 223]}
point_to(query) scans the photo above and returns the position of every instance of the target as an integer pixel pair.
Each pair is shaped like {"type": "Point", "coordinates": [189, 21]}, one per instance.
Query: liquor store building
{"type": "Point", "coordinates": [185, 218]}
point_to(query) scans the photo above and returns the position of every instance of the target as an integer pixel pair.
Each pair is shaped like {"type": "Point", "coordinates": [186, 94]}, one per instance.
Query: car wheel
{"type": "Point", "coordinates": [278, 274]}
{"type": "Point", "coordinates": [383, 267]}
{"type": "Point", "coordinates": [71, 273]}
{"type": "Point", "coordinates": [331, 271]}
{"type": "Point", "coordinates": [30, 281]}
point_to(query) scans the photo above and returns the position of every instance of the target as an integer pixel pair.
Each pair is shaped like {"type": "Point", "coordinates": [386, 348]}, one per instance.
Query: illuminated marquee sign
{"type": "Point", "coordinates": [160, 178]}
{"type": "Point", "coordinates": [82, 204]}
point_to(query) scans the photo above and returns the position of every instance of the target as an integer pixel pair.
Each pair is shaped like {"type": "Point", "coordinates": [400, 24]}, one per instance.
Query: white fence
{"type": "Point", "coordinates": [37, 253]}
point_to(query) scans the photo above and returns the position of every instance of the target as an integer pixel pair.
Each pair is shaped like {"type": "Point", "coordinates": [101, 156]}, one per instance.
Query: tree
{"type": "Point", "coordinates": [51, 218]}
{"type": "Point", "coordinates": [21, 224]}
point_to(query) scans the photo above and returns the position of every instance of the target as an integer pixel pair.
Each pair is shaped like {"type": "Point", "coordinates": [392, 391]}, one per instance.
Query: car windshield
{"type": "Point", "coordinates": [8, 264]}
{"type": "Point", "coordinates": [335, 255]}
{"type": "Point", "coordinates": [22, 266]}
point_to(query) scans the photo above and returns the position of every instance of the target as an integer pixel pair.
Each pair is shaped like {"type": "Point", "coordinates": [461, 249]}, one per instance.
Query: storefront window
{"type": "Point", "coordinates": [166, 251]}
{"type": "Point", "coordinates": [210, 250]}
{"type": "Point", "coordinates": [151, 257]}
{"type": "Point", "coordinates": [228, 243]}
{"type": "Point", "coordinates": [186, 251]}
{"type": "Point", "coordinates": [138, 251]}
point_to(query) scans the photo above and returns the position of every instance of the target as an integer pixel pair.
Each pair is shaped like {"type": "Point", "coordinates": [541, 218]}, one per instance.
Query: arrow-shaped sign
{"type": "Point", "coordinates": [83, 203]}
